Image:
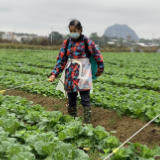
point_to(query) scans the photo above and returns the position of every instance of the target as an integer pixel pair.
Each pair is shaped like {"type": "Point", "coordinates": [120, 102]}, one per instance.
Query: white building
{"type": "Point", "coordinates": [142, 44]}
{"type": "Point", "coordinates": [154, 45]}
{"type": "Point", "coordinates": [111, 43]}
{"type": "Point", "coordinates": [8, 36]}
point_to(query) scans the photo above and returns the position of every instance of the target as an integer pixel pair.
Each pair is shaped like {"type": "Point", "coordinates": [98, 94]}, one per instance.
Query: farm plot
{"type": "Point", "coordinates": [130, 84]}
{"type": "Point", "coordinates": [30, 131]}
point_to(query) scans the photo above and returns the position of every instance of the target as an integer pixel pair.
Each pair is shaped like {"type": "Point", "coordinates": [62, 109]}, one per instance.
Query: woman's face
{"type": "Point", "coordinates": [73, 29]}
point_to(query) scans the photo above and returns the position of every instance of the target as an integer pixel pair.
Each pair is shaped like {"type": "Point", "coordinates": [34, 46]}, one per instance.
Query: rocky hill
{"type": "Point", "coordinates": [123, 31]}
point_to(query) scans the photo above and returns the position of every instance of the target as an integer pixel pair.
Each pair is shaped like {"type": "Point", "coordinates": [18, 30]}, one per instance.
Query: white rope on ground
{"type": "Point", "coordinates": [115, 150]}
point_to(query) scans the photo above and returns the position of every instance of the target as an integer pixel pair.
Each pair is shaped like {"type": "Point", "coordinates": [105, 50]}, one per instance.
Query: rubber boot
{"type": "Point", "coordinates": [72, 111]}
{"type": "Point", "coordinates": [87, 115]}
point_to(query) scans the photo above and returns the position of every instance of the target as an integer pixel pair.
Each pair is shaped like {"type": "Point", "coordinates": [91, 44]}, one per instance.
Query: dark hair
{"type": "Point", "coordinates": [76, 24]}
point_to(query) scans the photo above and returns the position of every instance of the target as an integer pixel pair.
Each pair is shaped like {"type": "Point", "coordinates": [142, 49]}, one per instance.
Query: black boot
{"type": "Point", "coordinates": [87, 115]}
{"type": "Point", "coordinates": [72, 111]}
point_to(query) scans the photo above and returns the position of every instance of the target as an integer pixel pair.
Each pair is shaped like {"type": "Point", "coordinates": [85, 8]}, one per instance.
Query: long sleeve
{"type": "Point", "coordinates": [61, 60]}
{"type": "Point", "coordinates": [76, 50]}
{"type": "Point", "coordinates": [96, 55]}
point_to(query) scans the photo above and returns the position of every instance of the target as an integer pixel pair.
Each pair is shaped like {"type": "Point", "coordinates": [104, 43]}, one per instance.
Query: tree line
{"type": "Point", "coordinates": [55, 38]}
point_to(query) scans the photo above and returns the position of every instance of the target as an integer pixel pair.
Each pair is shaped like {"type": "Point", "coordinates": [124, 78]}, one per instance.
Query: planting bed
{"type": "Point", "coordinates": [127, 100]}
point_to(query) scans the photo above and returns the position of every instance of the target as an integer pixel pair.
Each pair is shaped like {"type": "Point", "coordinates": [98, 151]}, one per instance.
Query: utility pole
{"type": "Point", "coordinates": [14, 37]}
{"type": "Point", "coordinates": [51, 35]}
{"type": "Point", "coordinates": [152, 37]}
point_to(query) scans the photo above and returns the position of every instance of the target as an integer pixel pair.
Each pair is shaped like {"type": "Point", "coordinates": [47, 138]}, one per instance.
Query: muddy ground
{"type": "Point", "coordinates": [110, 120]}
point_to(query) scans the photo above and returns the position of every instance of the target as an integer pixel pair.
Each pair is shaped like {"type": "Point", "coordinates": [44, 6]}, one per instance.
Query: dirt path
{"type": "Point", "coordinates": [124, 126]}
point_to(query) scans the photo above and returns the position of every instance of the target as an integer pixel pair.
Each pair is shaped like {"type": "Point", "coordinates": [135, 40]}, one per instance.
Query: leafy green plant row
{"type": "Point", "coordinates": [110, 70]}
{"type": "Point", "coordinates": [125, 81]}
{"type": "Point", "coordinates": [129, 65]}
{"type": "Point", "coordinates": [133, 63]}
{"type": "Point", "coordinates": [139, 103]}
{"type": "Point", "coordinates": [121, 77]}
{"type": "Point", "coordinates": [31, 63]}
{"type": "Point", "coordinates": [126, 59]}
{"type": "Point", "coordinates": [133, 72]}
{"type": "Point", "coordinates": [29, 132]}
{"type": "Point", "coordinates": [27, 69]}
{"type": "Point", "coordinates": [23, 56]}
{"type": "Point", "coordinates": [136, 103]}
{"type": "Point", "coordinates": [48, 64]}
{"type": "Point", "coordinates": [141, 60]}
{"type": "Point", "coordinates": [10, 79]}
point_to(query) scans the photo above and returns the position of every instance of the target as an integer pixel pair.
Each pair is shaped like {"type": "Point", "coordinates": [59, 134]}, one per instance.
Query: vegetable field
{"type": "Point", "coordinates": [130, 86]}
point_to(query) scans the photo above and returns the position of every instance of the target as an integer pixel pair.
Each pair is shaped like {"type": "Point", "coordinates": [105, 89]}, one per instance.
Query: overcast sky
{"type": "Point", "coordinates": [38, 16]}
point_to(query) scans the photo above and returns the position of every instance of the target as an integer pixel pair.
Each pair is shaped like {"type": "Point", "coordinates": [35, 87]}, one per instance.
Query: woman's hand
{"type": "Point", "coordinates": [52, 78]}
{"type": "Point", "coordinates": [98, 74]}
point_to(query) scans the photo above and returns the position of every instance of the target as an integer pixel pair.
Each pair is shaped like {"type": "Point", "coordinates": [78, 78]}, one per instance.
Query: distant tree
{"type": "Point", "coordinates": [65, 36]}
{"type": "Point", "coordinates": [145, 41]}
{"type": "Point", "coordinates": [40, 41]}
{"type": "Point", "coordinates": [141, 40]}
{"type": "Point", "coordinates": [1, 34]}
{"type": "Point", "coordinates": [157, 41]}
{"type": "Point", "coordinates": [25, 40]}
{"type": "Point", "coordinates": [44, 41]}
{"type": "Point", "coordinates": [103, 40]}
{"type": "Point", "coordinates": [55, 38]}
{"type": "Point", "coordinates": [94, 37]}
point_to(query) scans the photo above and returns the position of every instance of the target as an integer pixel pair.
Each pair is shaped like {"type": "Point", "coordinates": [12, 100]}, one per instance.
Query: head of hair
{"type": "Point", "coordinates": [76, 24]}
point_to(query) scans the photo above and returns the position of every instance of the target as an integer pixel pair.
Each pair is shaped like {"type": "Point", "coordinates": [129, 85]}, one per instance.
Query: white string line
{"type": "Point", "coordinates": [114, 151]}
{"type": "Point", "coordinates": [31, 84]}
{"type": "Point", "coordinates": [25, 85]}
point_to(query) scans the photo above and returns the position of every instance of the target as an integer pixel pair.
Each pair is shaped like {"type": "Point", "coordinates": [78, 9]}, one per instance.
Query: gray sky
{"type": "Point", "coordinates": [38, 16]}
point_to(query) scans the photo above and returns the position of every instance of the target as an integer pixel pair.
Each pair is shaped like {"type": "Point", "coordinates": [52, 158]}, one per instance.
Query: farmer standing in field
{"type": "Point", "coordinates": [74, 61]}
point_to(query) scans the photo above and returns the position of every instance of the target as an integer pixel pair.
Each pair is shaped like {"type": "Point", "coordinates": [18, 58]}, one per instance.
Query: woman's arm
{"type": "Point", "coordinates": [61, 60]}
{"type": "Point", "coordinates": [97, 56]}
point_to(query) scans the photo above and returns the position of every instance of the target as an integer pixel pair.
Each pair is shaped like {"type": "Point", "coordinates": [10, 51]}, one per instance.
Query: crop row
{"type": "Point", "coordinates": [37, 62]}
{"type": "Point", "coordinates": [137, 103]}
{"type": "Point", "coordinates": [126, 59]}
{"type": "Point", "coordinates": [133, 102]}
{"type": "Point", "coordinates": [26, 69]}
{"type": "Point", "coordinates": [144, 73]}
{"type": "Point", "coordinates": [123, 60]}
{"type": "Point", "coordinates": [109, 70]}
{"type": "Point", "coordinates": [123, 80]}
{"type": "Point", "coordinates": [139, 66]}
{"type": "Point", "coordinates": [29, 132]}
{"type": "Point", "coordinates": [114, 76]}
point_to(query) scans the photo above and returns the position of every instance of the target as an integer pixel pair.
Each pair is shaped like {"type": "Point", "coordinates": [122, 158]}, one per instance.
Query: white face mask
{"type": "Point", "coordinates": [74, 35]}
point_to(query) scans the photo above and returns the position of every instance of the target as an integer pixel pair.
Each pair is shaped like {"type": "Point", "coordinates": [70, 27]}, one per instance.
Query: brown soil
{"type": "Point", "coordinates": [110, 120]}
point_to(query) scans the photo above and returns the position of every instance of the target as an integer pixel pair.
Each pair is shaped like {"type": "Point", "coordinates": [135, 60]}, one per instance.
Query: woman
{"type": "Point", "coordinates": [75, 64]}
